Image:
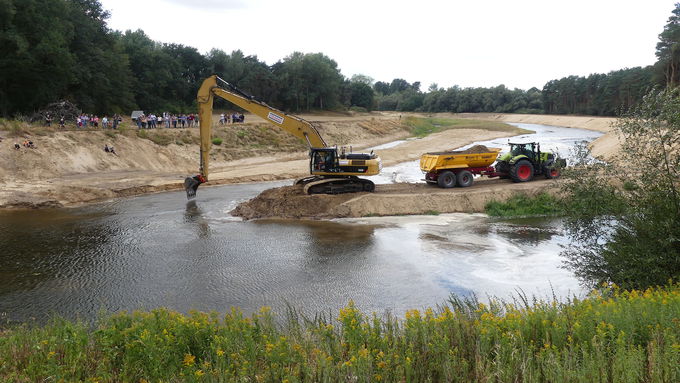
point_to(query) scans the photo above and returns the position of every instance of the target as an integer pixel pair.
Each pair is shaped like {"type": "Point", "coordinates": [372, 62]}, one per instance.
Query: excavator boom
{"type": "Point", "coordinates": [331, 172]}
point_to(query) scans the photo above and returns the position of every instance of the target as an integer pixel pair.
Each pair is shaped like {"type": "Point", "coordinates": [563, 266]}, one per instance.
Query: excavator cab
{"type": "Point", "coordinates": [323, 160]}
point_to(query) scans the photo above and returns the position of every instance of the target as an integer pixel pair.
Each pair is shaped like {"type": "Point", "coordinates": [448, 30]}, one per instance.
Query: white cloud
{"type": "Point", "coordinates": [209, 4]}
{"type": "Point", "coordinates": [521, 43]}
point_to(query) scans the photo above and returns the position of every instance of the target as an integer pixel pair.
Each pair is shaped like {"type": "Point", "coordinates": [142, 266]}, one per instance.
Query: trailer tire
{"type": "Point", "coordinates": [446, 179]}
{"type": "Point", "coordinates": [465, 178]}
{"type": "Point", "coordinates": [522, 171]}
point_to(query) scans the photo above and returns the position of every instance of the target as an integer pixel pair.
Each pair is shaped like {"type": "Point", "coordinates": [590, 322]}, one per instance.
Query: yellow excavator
{"type": "Point", "coordinates": [332, 170]}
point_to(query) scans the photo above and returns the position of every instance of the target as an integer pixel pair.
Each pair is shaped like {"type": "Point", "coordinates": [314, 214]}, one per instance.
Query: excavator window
{"type": "Point", "coordinates": [323, 160]}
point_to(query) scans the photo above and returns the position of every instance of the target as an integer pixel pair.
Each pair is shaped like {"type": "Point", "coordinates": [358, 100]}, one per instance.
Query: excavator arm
{"type": "Point", "coordinates": [206, 95]}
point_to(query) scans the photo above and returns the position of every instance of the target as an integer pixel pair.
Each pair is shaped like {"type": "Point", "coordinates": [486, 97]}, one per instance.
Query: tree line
{"type": "Point", "coordinates": [63, 49]}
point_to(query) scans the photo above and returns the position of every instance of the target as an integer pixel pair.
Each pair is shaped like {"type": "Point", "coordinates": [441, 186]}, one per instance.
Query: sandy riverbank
{"type": "Point", "coordinates": [70, 168]}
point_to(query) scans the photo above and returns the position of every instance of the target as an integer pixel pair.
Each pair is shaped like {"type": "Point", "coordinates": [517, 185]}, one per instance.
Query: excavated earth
{"type": "Point", "coordinates": [391, 199]}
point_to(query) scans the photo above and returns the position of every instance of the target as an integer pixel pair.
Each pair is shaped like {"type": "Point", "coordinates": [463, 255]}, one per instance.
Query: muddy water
{"type": "Point", "coordinates": [159, 250]}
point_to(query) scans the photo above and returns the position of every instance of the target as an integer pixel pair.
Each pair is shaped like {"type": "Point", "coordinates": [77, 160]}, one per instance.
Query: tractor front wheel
{"type": "Point", "coordinates": [522, 171]}
{"type": "Point", "coordinates": [551, 172]}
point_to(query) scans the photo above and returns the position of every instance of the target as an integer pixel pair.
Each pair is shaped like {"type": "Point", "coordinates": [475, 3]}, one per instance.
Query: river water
{"type": "Point", "coordinates": [160, 250]}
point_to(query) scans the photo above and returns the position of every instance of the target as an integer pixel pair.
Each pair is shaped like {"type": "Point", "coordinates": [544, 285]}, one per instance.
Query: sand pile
{"type": "Point", "coordinates": [290, 202]}
{"type": "Point", "coordinates": [476, 149]}
{"type": "Point", "coordinates": [470, 150]}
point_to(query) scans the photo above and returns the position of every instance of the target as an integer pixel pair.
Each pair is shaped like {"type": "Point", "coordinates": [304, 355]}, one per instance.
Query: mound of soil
{"type": "Point", "coordinates": [476, 149]}
{"type": "Point", "coordinates": [290, 202]}
{"type": "Point", "coordinates": [470, 150]}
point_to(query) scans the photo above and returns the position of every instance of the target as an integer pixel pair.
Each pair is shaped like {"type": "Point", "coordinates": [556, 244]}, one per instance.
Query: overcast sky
{"type": "Point", "coordinates": [519, 43]}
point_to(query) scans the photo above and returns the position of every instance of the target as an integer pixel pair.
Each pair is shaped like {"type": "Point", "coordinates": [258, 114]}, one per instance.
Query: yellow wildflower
{"type": "Point", "coordinates": [189, 360]}
{"type": "Point", "coordinates": [199, 373]}
{"type": "Point", "coordinates": [220, 352]}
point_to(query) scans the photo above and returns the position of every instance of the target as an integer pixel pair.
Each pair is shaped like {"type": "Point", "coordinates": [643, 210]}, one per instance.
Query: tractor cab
{"type": "Point", "coordinates": [531, 150]}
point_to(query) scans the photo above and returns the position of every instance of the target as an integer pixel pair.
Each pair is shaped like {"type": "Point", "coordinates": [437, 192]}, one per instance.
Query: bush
{"type": "Point", "coordinates": [217, 141]}
{"type": "Point", "coordinates": [521, 205]}
{"type": "Point", "coordinates": [625, 216]}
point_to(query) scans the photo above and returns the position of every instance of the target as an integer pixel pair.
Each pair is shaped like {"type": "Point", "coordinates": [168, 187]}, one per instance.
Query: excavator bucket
{"type": "Point", "coordinates": [191, 185]}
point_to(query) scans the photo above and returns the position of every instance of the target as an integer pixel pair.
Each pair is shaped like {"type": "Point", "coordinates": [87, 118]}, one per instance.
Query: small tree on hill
{"type": "Point", "coordinates": [625, 216]}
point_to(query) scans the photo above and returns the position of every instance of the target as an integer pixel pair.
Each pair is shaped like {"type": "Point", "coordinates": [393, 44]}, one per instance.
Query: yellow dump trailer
{"type": "Point", "coordinates": [448, 169]}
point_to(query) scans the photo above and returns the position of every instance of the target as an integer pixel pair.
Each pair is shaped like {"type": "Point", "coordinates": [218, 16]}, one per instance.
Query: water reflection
{"type": "Point", "coordinates": [194, 215]}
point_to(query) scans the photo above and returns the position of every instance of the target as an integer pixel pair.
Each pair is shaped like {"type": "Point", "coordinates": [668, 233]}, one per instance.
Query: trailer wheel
{"type": "Point", "coordinates": [522, 171]}
{"type": "Point", "coordinates": [446, 179]}
{"type": "Point", "coordinates": [465, 178]}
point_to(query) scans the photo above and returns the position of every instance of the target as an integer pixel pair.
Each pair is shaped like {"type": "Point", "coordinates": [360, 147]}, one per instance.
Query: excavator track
{"type": "Point", "coordinates": [339, 186]}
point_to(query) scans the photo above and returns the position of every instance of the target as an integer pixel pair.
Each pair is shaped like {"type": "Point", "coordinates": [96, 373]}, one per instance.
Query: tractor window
{"type": "Point", "coordinates": [524, 149]}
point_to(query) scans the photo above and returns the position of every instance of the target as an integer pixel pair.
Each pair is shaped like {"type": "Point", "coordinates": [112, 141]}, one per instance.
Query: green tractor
{"type": "Point", "coordinates": [524, 161]}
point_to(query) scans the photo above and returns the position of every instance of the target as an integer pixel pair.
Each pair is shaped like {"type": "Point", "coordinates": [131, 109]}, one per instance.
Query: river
{"type": "Point", "coordinates": [160, 250]}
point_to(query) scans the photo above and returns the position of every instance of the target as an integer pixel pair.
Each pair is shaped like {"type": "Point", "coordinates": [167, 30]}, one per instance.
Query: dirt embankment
{"type": "Point", "coordinates": [392, 199]}
{"type": "Point", "coordinates": [71, 167]}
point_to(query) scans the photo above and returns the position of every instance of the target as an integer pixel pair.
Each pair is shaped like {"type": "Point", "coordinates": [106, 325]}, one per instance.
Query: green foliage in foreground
{"type": "Point", "coordinates": [422, 126]}
{"type": "Point", "coordinates": [625, 222]}
{"type": "Point", "coordinates": [521, 205]}
{"type": "Point", "coordinates": [611, 336]}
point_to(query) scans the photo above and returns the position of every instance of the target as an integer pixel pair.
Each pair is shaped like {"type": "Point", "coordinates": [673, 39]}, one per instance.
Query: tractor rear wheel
{"type": "Point", "coordinates": [465, 178]}
{"type": "Point", "coordinates": [522, 171]}
{"type": "Point", "coordinates": [446, 179]}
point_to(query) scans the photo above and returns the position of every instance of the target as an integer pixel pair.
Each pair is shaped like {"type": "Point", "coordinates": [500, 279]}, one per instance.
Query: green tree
{"type": "Point", "coordinates": [36, 64]}
{"type": "Point", "coordinates": [361, 95]}
{"type": "Point", "coordinates": [102, 80]}
{"type": "Point", "coordinates": [668, 49]}
{"type": "Point", "coordinates": [308, 81]}
{"type": "Point", "coordinates": [625, 216]}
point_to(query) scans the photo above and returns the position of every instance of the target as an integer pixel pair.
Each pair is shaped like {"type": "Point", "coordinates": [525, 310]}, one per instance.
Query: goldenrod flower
{"type": "Point", "coordinates": [189, 360]}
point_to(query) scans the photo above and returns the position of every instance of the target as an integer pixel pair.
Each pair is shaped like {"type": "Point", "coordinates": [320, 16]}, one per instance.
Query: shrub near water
{"type": "Point", "coordinates": [611, 336]}
{"type": "Point", "coordinates": [521, 205]}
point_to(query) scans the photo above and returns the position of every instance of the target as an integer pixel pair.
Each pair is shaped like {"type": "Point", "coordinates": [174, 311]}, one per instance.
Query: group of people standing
{"type": "Point", "coordinates": [152, 121]}
{"type": "Point", "coordinates": [93, 121]}
{"type": "Point", "coordinates": [233, 118]}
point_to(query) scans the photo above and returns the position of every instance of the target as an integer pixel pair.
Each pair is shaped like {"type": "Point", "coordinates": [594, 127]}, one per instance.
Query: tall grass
{"type": "Point", "coordinates": [423, 126]}
{"type": "Point", "coordinates": [521, 205]}
{"type": "Point", "coordinates": [610, 336]}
